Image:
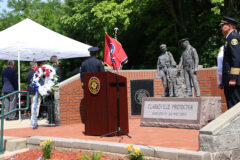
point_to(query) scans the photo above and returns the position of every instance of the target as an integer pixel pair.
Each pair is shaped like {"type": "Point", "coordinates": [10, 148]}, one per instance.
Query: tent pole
{"type": "Point", "coordinates": [19, 87]}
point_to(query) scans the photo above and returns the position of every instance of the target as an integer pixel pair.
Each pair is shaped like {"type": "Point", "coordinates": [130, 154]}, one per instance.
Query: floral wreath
{"type": "Point", "coordinates": [44, 79]}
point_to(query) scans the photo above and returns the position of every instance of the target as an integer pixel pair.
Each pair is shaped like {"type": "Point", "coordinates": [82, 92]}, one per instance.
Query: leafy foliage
{"type": "Point", "coordinates": [46, 148]}
{"type": "Point", "coordinates": [94, 156]}
{"type": "Point", "coordinates": [134, 153]}
{"type": "Point", "coordinates": [143, 26]}
{"type": "Point", "coordinates": [87, 21]}
{"type": "Point", "coordinates": [46, 13]}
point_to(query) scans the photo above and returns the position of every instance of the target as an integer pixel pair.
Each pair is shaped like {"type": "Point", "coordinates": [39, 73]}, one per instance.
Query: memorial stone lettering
{"type": "Point", "coordinates": [179, 112]}
{"type": "Point", "coordinates": [171, 110]}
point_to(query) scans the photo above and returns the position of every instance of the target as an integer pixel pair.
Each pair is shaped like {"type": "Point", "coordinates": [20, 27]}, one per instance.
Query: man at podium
{"type": "Point", "coordinates": [92, 64]}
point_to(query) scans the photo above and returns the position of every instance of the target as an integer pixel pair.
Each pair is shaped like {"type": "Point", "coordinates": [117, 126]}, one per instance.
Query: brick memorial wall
{"type": "Point", "coordinates": [71, 94]}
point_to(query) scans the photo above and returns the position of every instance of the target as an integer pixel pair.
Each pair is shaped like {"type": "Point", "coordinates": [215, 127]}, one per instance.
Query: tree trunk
{"type": "Point", "coordinates": [179, 20]}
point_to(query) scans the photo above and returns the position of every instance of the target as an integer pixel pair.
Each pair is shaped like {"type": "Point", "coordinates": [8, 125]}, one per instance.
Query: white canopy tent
{"type": "Point", "coordinates": [36, 42]}
{"type": "Point", "coordinates": [30, 41]}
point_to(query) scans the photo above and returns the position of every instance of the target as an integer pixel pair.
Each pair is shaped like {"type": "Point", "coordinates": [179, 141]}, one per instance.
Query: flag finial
{"type": "Point", "coordinates": [115, 33]}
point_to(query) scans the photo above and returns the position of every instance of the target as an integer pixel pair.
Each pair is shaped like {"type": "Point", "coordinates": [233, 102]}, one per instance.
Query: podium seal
{"type": "Point", "coordinates": [94, 85]}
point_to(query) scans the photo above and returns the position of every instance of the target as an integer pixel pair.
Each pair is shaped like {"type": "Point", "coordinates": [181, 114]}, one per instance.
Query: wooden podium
{"type": "Point", "coordinates": [100, 94]}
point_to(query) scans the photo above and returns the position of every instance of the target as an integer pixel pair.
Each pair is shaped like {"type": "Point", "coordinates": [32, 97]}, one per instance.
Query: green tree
{"type": "Point", "coordinates": [46, 13]}
{"type": "Point", "coordinates": [143, 25]}
{"type": "Point", "coordinates": [89, 20]}
{"type": "Point", "coordinates": [154, 22]}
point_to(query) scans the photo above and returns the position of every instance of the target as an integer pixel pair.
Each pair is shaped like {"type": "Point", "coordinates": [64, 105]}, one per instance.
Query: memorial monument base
{"type": "Point", "coordinates": [193, 113]}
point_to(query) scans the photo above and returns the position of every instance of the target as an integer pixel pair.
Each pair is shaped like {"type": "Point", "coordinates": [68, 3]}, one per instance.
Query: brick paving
{"type": "Point", "coordinates": [152, 136]}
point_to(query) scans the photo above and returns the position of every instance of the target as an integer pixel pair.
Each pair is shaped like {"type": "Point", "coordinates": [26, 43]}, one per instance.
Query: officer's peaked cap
{"type": "Point", "coordinates": [228, 20]}
{"type": "Point", "coordinates": [93, 49]}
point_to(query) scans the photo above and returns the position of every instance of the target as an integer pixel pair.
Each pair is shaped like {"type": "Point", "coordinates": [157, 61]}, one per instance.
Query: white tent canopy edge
{"type": "Point", "coordinates": [30, 41]}
{"type": "Point", "coordinates": [36, 42]}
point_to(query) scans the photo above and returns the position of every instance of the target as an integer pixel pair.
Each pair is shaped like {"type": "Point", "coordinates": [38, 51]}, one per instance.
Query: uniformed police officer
{"type": "Point", "coordinates": [189, 62]}
{"type": "Point", "coordinates": [92, 64]}
{"type": "Point", "coordinates": [165, 62]}
{"type": "Point", "coordinates": [231, 61]}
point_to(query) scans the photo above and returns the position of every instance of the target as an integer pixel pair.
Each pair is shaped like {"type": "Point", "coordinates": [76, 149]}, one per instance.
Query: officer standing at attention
{"type": "Point", "coordinates": [92, 64]}
{"type": "Point", "coordinates": [189, 61]}
{"type": "Point", "coordinates": [231, 61]}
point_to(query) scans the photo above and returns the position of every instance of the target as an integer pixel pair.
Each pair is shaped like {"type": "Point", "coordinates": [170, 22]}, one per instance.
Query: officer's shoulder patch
{"type": "Point", "coordinates": [234, 41]}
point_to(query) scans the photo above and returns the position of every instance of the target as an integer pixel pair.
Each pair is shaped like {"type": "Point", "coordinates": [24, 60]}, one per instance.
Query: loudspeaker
{"type": "Point", "coordinates": [139, 89]}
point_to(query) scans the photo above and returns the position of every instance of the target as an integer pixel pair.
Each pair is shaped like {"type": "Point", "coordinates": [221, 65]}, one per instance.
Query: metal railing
{"type": "Point", "coordinates": [15, 110]}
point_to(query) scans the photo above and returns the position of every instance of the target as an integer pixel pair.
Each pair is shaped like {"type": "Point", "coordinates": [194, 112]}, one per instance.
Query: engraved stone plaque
{"type": "Point", "coordinates": [171, 110]}
{"type": "Point", "coordinates": [179, 112]}
{"type": "Point", "coordinates": [140, 89]}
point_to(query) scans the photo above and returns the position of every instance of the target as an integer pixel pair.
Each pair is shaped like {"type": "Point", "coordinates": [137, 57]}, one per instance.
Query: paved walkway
{"type": "Point", "coordinates": [23, 123]}
{"type": "Point", "coordinates": [163, 137]}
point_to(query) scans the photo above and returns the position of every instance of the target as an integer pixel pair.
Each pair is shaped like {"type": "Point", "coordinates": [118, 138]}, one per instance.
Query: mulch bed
{"type": "Point", "coordinates": [36, 153]}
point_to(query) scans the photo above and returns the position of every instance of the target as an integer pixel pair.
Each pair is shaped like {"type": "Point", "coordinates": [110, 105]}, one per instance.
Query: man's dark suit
{"type": "Point", "coordinates": [10, 84]}
{"type": "Point", "coordinates": [231, 68]}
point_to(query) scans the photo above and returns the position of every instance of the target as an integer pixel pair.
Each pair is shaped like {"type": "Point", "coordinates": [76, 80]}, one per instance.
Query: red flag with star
{"type": "Point", "coordinates": [113, 50]}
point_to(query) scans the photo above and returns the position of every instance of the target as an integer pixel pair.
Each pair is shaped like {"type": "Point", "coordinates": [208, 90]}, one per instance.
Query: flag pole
{"type": "Point", "coordinates": [19, 87]}
{"type": "Point", "coordinates": [119, 131]}
{"type": "Point", "coordinates": [115, 37]}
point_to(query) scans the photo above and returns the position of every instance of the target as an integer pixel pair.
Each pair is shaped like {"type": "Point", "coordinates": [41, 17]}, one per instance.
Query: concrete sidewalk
{"type": "Point", "coordinates": [24, 123]}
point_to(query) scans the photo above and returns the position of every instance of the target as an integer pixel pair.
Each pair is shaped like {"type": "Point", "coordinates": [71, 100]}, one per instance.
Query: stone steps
{"type": "Point", "coordinates": [12, 146]}
{"type": "Point", "coordinates": [14, 143]}
{"type": "Point", "coordinates": [117, 149]}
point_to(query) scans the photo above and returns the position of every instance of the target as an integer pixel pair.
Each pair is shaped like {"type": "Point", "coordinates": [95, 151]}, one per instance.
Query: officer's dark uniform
{"type": "Point", "coordinates": [91, 65]}
{"type": "Point", "coordinates": [231, 65]}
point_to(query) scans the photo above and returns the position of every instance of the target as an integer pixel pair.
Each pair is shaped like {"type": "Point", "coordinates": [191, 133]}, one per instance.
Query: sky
{"type": "Point", "coordinates": [3, 5]}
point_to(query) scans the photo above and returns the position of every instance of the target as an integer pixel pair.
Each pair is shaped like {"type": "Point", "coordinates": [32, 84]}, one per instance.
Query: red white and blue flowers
{"type": "Point", "coordinates": [44, 79]}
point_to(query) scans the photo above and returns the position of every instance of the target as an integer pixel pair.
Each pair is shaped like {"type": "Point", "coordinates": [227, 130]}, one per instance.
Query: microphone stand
{"type": "Point", "coordinates": [119, 130]}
